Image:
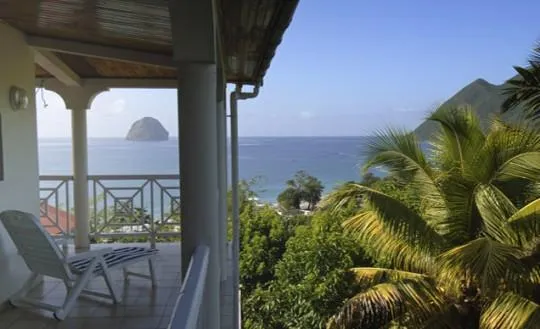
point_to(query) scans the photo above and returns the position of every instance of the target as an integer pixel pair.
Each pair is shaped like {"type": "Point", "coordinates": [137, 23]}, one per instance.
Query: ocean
{"type": "Point", "coordinates": [272, 160]}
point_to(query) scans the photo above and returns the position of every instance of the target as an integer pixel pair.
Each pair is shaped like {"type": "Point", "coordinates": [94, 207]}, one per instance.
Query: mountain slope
{"type": "Point", "coordinates": [485, 98]}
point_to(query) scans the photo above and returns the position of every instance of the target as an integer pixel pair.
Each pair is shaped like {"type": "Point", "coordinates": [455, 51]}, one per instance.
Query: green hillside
{"type": "Point", "coordinates": [485, 98]}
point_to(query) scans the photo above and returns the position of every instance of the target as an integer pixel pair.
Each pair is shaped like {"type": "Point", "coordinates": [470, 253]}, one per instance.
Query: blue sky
{"type": "Point", "coordinates": [349, 67]}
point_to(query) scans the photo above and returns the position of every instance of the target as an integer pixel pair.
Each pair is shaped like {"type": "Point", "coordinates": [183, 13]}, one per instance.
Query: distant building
{"type": "Point", "coordinates": [56, 221]}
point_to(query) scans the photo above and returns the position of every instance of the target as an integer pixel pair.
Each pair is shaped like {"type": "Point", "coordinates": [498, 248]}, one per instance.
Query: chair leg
{"type": "Point", "coordinates": [108, 280]}
{"type": "Point", "coordinates": [76, 290]}
{"type": "Point", "coordinates": [126, 273]}
{"type": "Point", "coordinates": [152, 272]}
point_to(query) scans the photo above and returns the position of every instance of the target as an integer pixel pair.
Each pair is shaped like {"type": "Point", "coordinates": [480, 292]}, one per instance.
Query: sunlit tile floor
{"type": "Point", "coordinates": [142, 307]}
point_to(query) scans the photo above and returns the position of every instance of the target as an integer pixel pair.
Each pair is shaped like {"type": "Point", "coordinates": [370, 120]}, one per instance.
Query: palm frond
{"type": "Point", "coordinates": [377, 306]}
{"type": "Point", "coordinates": [513, 138]}
{"type": "Point", "coordinates": [524, 165]}
{"type": "Point", "coordinates": [495, 209]}
{"type": "Point", "coordinates": [462, 222]}
{"type": "Point", "coordinates": [535, 54]}
{"type": "Point", "coordinates": [525, 222]}
{"type": "Point", "coordinates": [524, 90]}
{"type": "Point", "coordinates": [447, 318]}
{"type": "Point", "coordinates": [483, 261]}
{"type": "Point", "coordinates": [459, 137]}
{"type": "Point", "coordinates": [401, 154]}
{"type": "Point", "coordinates": [388, 301]}
{"type": "Point", "coordinates": [384, 220]}
{"type": "Point", "coordinates": [396, 216]}
{"type": "Point", "coordinates": [386, 246]}
{"type": "Point", "coordinates": [374, 275]}
{"type": "Point", "coordinates": [399, 219]}
{"type": "Point", "coordinates": [512, 151]}
{"type": "Point", "coordinates": [511, 311]}
{"type": "Point", "coordinates": [398, 151]}
{"type": "Point", "coordinates": [341, 196]}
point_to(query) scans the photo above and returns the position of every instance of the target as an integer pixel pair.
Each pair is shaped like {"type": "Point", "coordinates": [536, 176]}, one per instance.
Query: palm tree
{"type": "Point", "coordinates": [470, 257]}
{"type": "Point", "coordinates": [524, 89]}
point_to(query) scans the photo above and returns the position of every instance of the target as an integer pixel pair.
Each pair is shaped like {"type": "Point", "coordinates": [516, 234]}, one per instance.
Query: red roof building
{"type": "Point", "coordinates": [56, 221]}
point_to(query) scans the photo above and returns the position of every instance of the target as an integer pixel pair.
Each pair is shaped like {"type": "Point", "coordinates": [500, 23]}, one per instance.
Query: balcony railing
{"type": "Point", "coordinates": [146, 207]}
{"type": "Point", "coordinates": [187, 311]}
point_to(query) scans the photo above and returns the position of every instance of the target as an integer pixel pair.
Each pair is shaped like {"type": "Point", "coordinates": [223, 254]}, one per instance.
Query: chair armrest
{"type": "Point", "coordinates": [89, 254]}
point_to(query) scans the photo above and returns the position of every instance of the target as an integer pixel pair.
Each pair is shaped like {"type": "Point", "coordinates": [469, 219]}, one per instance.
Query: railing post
{"type": "Point", "coordinates": [152, 218]}
{"type": "Point", "coordinates": [67, 233]}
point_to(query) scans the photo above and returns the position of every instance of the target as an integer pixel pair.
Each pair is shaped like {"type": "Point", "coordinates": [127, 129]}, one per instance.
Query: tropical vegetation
{"type": "Point", "coordinates": [524, 89]}
{"type": "Point", "coordinates": [462, 249]}
{"type": "Point", "coordinates": [301, 188]}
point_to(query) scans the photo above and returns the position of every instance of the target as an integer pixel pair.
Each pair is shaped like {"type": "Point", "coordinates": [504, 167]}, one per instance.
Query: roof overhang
{"type": "Point", "coordinates": [128, 43]}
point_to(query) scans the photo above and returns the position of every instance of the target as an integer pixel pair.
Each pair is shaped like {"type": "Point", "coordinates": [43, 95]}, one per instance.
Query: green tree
{"type": "Point", "coordinates": [263, 236]}
{"type": "Point", "coordinates": [524, 89]}
{"type": "Point", "coordinates": [289, 199]}
{"type": "Point", "coordinates": [369, 179]}
{"type": "Point", "coordinates": [311, 280]}
{"type": "Point", "coordinates": [302, 187]}
{"type": "Point", "coordinates": [468, 255]}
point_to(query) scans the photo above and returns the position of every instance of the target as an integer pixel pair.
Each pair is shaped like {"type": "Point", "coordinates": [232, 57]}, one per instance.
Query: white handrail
{"type": "Point", "coordinates": [187, 309]}
{"type": "Point", "coordinates": [113, 198]}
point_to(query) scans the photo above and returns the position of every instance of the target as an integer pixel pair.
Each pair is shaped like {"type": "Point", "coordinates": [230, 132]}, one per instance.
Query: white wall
{"type": "Point", "coordinates": [19, 189]}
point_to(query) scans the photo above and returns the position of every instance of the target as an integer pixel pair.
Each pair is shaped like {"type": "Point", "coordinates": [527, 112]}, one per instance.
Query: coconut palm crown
{"type": "Point", "coordinates": [470, 257]}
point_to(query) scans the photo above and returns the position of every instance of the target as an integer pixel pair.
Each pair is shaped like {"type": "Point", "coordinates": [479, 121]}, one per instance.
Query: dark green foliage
{"type": "Point", "coordinates": [246, 194]}
{"type": "Point", "coordinates": [311, 280]}
{"type": "Point", "coordinates": [289, 199]}
{"type": "Point", "coordinates": [262, 243]}
{"type": "Point", "coordinates": [302, 188]}
{"type": "Point", "coordinates": [523, 91]}
{"type": "Point", "coordinates": [368, 179]}
{"type": "Point", "coordinates": [400, 191]}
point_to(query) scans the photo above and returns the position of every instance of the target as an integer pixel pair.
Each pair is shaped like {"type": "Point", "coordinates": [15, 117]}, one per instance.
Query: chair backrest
{"type": "Point", "coordinates": [35, 245]}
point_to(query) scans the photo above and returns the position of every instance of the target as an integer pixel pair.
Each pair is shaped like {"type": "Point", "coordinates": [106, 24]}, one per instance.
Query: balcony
{"type": "Point", "coordinates": [142, 307]}
{"type": "Point", "coordinates": [139, 208]}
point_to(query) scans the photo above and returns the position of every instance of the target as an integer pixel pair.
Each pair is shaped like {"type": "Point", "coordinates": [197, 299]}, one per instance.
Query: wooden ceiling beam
{"type": "Point", "coordinates": [56, 67]}
{"type": "Point", "coordinates": [110, 83]}
{"type": "Point", "coordinates": [100, 51]}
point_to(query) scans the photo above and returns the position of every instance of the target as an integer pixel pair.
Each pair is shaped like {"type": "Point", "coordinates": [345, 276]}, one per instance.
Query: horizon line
{"type": "Point", "coordinates": [245, 136]}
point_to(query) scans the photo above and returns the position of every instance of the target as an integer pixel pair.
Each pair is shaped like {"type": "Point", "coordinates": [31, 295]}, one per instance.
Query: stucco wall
{"type": "Point", "coordinates": [19, 189]}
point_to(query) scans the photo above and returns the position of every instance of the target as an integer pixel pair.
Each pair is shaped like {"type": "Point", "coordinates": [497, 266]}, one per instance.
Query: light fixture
{"type": "Point", "coordinates": [18, 98]}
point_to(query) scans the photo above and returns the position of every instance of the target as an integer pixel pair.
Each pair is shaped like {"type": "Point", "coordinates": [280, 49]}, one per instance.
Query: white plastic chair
{"type": "Point", "coordinates": [43, 257]}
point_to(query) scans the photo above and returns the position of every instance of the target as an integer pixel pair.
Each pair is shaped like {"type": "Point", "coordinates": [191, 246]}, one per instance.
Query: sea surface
{"type": "Point", "coordinates": [272, 160]}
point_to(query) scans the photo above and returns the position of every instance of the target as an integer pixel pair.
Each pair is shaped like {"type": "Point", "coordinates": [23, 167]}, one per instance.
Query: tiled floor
{"type": "Point", "coordinates": [142, 307]}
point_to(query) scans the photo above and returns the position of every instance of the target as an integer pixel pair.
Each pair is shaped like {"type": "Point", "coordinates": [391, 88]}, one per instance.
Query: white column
{"type": "Point", "coordinates": [80, 174]}
{"type": "Point", "coordinates": [78, 100]}
{"type": "Point", "coordinates": [222, 184]}
{"type": "Point", "coordinates": [199, 177]}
